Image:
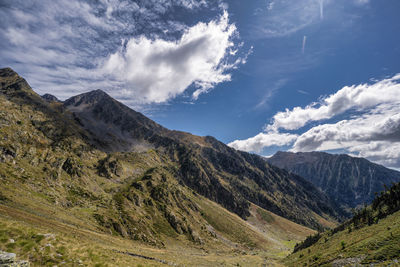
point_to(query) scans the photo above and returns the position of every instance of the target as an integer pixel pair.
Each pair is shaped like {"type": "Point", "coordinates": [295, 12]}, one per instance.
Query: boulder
{"type": "Point", "coordinates": [9, 260]}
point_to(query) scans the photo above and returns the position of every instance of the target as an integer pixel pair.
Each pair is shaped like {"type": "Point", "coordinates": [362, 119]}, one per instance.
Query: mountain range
{"type": "Point", "coordinates": [106, 180]}
{"type": "Point", "coordinates": [349, 181]}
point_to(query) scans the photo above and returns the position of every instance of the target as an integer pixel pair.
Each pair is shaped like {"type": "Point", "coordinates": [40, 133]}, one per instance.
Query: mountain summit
{"type": "Point", "coordinates": [113, 125]}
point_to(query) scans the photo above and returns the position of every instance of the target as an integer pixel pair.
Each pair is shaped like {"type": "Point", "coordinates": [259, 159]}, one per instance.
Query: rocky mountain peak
{"type": "Point", "coordinates": [89, 98]}
{"type": "Point", "coordinates": [50, 98]}
{"type": "Point", "coordinates": [7, 72]}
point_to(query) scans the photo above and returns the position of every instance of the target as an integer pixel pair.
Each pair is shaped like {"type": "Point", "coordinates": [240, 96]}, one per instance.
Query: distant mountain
{"type": "Point", "coordinates": [347, 180]}
{"type": "Point", "coordinates": [50, 98]}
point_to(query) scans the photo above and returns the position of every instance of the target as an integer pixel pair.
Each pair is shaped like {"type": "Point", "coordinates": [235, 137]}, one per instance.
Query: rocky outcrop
{"type": "Point", "coordinates": [50, 98]}
{"type": "Point", "coordinates": [73, 167]}
{"type": "Point", "coordinates": [9, 260]}
{"type": "Point", "coordinates": [109, 167]}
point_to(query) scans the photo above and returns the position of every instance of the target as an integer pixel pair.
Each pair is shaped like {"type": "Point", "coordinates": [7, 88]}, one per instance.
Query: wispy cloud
{"type": "Point", "coordinates": [284, 18]}
{"type": "Point", "coordinates": [270, 5]}
{"type": "Point", "coordinates": [361, 2]}
{"type": "Point", "coordinates": [303, 92]}
{"type": "Point", "coordinates": [287, 17]}
{"type": "Point", "coordinates": [270, 92]}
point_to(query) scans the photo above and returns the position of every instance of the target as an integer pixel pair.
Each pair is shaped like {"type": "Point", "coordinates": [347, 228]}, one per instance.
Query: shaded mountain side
{"type": "Point", "coordinates": [79, 142]}
{"type": "Point", "coordinates": [229, 177]}
{"type": "Point", "coordinates": [114, 126]}
{"type": "Point", "coordinates": [347, 180]}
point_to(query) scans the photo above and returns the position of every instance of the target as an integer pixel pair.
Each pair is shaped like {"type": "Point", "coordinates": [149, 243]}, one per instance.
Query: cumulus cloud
{"type": "Point", "coordinates": [261, 140]}
{"type": "Point", "coordinates": [358, 97]}
{"type": "Point", "coordinates": [158, 70]}
{"type": "Point", "coordinates": [127, 48]}
{"type": "Point", "coordinates": [371, 128]}
{"type": "Point", "coordinates": [380, 124]}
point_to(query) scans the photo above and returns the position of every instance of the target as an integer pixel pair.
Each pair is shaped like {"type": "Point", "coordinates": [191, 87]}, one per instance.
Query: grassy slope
{"type": "Point", "coordinates": [47, 241]}
{"type": "Point", "coordinates": [37, 197]}
{"type": "Point", "coordinates": [372, 244]}
{"type": "Point", "coordinates": [35, 201]}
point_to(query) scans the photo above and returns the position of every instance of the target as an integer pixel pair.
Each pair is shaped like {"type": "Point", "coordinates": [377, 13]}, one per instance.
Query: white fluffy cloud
{"type": "Point", "coordinates": [157, 70]}
{"type": "Point", "coordinates": [382, 124]}
{"type": "Point", "coordinates": [374, 132]}
{"type": "Point", "coordinates": [358, 97]}
{"type": "Point", "coordinates": [261, 140]}
{"type": "Point", "coordinates": [138, 51]}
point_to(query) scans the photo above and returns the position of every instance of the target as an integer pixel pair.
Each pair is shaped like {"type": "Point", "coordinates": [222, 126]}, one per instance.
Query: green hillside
{"type": "Point", "coordinates": [372, 236]}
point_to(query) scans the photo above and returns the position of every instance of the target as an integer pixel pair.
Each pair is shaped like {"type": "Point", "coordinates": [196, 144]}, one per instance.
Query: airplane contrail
{"type": "Point", "coordinates": [321, 9]}
{"type": "Point", "coordinates": [304, 44]}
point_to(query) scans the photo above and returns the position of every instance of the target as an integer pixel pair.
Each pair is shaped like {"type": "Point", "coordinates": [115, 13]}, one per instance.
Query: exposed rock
{"type": "Point", "coordinates": [72, 167]}
{"type": "Point", "coordinates": [9, 260]}
{"type": "Point", "coordinates": [176, 223]}
{"type": "Point", "coordinates": [7, 154]}
{"type": "Point", "coordinates": [119, 229]}
{"type": "Point", "coordinates": [6, 257]}
{"type": "Point", "coordinates": [348, 261]}
{"type": "Point", "coordinates": [50, 98]}
{"type": "Point", "coordinates": [109, 167]}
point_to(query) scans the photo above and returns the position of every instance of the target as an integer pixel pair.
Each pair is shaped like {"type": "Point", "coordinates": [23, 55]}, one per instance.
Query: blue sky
{"type": "Point", "coordinates": [260, 76]}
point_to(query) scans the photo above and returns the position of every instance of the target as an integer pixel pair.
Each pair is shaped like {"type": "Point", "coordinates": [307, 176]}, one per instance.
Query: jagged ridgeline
{"type": "Point", "coordinates": [349, 181]}
{"type": "Point", "coordinates": [372, 235]}
{"type": "Point", "coordinates": [96, 163]}
{"type": "Point", "coordinates": [94, 126]}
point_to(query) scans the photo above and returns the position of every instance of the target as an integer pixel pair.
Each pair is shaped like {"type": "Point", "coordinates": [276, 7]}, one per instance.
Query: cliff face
{"type": "Point", "coordinates": [347, 180]}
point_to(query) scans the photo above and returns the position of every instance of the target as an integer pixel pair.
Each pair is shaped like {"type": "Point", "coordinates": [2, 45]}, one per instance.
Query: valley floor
{"type": "Point", "coordinates": [47, 242]}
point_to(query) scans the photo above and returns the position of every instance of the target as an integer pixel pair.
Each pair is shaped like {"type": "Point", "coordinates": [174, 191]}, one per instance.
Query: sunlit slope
{"type": "Point", "coordinates": [372, 236]}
